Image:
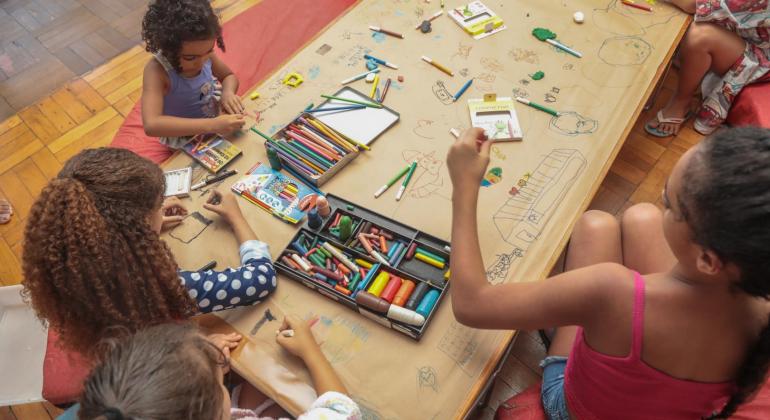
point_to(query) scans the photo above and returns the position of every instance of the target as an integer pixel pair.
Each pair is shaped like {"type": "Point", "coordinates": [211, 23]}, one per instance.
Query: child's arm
{"type": "Point", "coordinates": [303, 345]}
{"type": "Point", "coordinates": [230, 101]}
{"type": "Point", "coordinates": [155, 84]}
{"type": "Point", "coordinates": [578, 297]}
{"type": "Point", "coordinates": [688, 6]}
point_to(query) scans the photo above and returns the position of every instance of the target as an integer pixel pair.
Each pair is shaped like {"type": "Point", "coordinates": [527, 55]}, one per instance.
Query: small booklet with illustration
{"type": "Point", "coordinates": [497, 116]}
{"type": "Point", "coordinates": [275, 193]}
{"type": "Point", "coordinates": [212, 151]}
{"type": "Point", "coordinates": [477, 19]}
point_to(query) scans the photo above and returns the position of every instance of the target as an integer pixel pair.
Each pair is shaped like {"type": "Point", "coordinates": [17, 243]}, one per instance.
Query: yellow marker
{"type": "Point", "coordinates": [379, 283]}
{"type": "Point", "coordinates": [254, 95]}
{"type": "Point", "coordinates": [363, 263]}
{"type": "Point", "coordinates": [374, 85]}
{"type": "Point", "coordinates": [428, 260]}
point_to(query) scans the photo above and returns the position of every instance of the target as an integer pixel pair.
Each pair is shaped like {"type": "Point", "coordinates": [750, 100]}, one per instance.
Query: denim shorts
{"type": "Point", "coordinates": [552, 392]}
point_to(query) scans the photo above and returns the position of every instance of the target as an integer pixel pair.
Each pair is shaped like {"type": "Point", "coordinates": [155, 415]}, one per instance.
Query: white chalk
{"type": "Point", "coordinates": [370, 78]}
{"type": "Point", "coordinates": [285, 333]}
{"type": "Point", "coordinates": [579, 17]}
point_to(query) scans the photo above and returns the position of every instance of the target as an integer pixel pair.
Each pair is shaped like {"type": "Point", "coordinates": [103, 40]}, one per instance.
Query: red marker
{"type": "Point", "coordinates": [638, 6]}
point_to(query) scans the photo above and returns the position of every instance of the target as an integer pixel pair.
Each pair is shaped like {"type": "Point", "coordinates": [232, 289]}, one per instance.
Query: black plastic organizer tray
{"type": "Point", "coordinates": [395, 305]}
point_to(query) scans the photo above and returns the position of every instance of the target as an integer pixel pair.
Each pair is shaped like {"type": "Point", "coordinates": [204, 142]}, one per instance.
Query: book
{"type": "Point", "coordinates": [178, 182]}
{"type": "Point", "coordinates": [497, 116]}
{"type": "Point", "coordinates": [275, 193]}
{"type": "Point", "coordinates": [477, 19]}
{"type": "Point", "coordinates": [212, 151]}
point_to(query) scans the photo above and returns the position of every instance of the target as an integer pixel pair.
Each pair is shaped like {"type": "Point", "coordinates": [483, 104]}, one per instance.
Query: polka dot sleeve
{"type": "Point", "coordinates": [248, 284]}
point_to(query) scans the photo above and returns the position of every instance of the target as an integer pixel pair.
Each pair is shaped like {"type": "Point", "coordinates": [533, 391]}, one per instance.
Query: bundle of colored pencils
{"type": "Point", "coordinates": [311, 146]}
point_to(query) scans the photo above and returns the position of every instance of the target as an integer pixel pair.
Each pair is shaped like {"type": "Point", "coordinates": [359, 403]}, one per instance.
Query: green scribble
{"type": "Point", "coordinates": [542, 34]}
{"type": "Point", "coordinates": [537, 75]}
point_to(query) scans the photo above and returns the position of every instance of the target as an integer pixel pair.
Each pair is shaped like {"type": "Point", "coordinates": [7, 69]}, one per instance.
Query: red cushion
{"type": "Point", "coordinates": [526, 405]}
{"type": "Point", "coordinates": [257, 41]}
{"type": "Point", "coordinates": [752, 106]}
{"type": "Point", "coordinates": [63, 372]}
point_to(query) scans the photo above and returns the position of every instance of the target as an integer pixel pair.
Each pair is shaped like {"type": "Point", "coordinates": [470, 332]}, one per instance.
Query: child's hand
{"type": "Point", "coordinates": [224, 205]}
{"type": "Point", "coordinates": [173, 212]}
{"type": "Point", "coordinates": [225, 342]}
{"type": "Point", "coordinates": [231, 103]}
{"type": "Point", "coordinates": [228, 123]}
{"type": "Point", "coordinates": [302, 344]}
{"type": "Point", "coordinates": [468, 159]}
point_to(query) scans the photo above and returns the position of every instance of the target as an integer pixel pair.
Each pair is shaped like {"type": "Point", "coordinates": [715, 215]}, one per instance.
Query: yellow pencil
{"type": "Point", "coordinates": [374, 85]}
{"type": "Point", "coordinates": [322, 127]}
{"type": "Point", "coordinates": [438, 66]}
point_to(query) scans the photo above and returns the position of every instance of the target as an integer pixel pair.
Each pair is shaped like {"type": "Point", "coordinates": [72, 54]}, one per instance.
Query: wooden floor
{"type": "Point", "coordinates": [86, 112]}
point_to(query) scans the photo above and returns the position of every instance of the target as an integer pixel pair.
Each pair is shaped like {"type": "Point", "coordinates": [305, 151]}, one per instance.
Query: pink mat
{"type": "Point", "coordinates": [258, 41]}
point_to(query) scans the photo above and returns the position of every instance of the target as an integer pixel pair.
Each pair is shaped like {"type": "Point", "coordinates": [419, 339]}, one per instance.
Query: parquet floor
{"type": "Point", "coordinates": [86, 112]}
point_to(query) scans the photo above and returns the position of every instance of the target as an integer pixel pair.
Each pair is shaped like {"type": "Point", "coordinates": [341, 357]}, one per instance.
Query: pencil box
{"type": "Point", "coordinates": [333, 261]}
{"type": "Point", "coordinates": [308, 143]}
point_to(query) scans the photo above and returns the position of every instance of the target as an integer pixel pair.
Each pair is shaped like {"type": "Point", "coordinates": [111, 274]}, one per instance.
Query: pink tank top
{"type": "Point", "coordinates": [598, 386]}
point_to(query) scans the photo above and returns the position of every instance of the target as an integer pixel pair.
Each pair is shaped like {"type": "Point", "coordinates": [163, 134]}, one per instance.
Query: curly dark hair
{"type": "Point", "coordinates": [163, 372]}
{"type": "Point", "coordinates": [725, 199]}
{"type": "Point", "coordinates": [91, 260]}
{"type": "Point", "coordinates": [169, 23]}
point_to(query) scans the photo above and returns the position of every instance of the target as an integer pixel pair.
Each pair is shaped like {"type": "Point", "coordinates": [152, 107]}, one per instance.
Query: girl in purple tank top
{"type": "Point", "coordinates": [187, 89]}
{"type": "Point", "coordinates": [688, 338]}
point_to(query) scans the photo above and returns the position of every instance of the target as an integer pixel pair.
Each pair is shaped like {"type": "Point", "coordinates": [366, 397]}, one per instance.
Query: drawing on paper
{"type": "Point", "coordinates": [522, 218]}
{"type": "Point", "coordinates": [342, 338]}
{"type": "Point", "coordinates": [573, 124]}
{"type": "Point", "coordinates": [442, 94]}
{"type": "Point", "coordinates": [463, 51]}
{"type": "Point", "coordinates": [421, 129]}
{"type": "Point", "coordinates": [191, 228]}
{"type": "Point", "coordinates": [427, 378]}
{"type": "Point", "coordinates": [459, 345]}
{"type": "Point", "coordinates": [625, 51]}
{"type": "Point", "coordinates": [427, 179]}
{"type": "Point", "coordinates": [527, 56]}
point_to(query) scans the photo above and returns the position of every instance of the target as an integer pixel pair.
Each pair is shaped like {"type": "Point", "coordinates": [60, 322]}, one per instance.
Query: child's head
{"type": "Point", "coordinates": [167, 371]}
{"type": "Point", "coordinates": [92, 259]}
{"type": "Point", "coordinates": [184, 31]}
{"type": "Point", "coordinates": [718, 225]}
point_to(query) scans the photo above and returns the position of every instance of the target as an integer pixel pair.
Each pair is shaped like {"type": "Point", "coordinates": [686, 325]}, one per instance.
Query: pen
{"type": "Point", "coordinates": [380, 61]}
{"type": "Point", "coordinates": [463, 89]}
{"type": "Point", "coordinates": [430, 19]}
{"type": "Point", "coordinates": [386, 32]}
{"type": "Point", "coordinates": [214, 179]}
{"type": "Point", "coordinates": [437, 65]}
{"type": "Point", "coordinates": [208, 266]}
{"type": "Point", "coordinates": [536, 106]}
{"type": "Point", "coordinates": [358, 77]}
{"type": "Point", "coordinates": [406, 180]}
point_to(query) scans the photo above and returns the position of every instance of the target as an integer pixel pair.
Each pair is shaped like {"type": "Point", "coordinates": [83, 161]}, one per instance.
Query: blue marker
{"type": "Point", "coordinates": [463, 89]}
{"type": "Point", "coordinates": [379, 61]}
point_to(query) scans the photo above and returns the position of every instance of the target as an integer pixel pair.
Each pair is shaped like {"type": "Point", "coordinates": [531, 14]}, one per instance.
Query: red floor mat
{"type": "Point", "coordinates": [257, 41]}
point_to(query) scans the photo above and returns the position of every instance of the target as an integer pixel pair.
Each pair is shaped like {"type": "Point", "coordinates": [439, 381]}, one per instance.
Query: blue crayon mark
{"type": "Point", "coordinates": [378, 37]}
{"type": "Point", "coordinates": [437, 36]}
{"type": "Point", "coordinates": [273, 129]}
{"type": "Point", "coordinates": [396, 85]}
{"type": "Point", "coordinates": [399, 13]}
{"type": "Point", "coordinates": [314, 72]}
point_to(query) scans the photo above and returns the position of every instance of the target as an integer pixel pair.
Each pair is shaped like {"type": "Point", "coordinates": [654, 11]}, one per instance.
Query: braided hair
{"type": "Point", "coordinates": [725, 200]}
{"type": "Point", "coordinates": [91, 260]}
{"type": "Point", "coordinates": [169, 23]}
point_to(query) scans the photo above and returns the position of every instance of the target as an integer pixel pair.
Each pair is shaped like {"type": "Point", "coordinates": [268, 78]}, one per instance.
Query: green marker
{"type": "Point", "coordinates": [406, 180]}
{"type": "Point", "coordinates": [254, 129]}
{"type": "Point", "coordinates": [353, 101]}
{"type": "Point", "coordinates": [391, 182]}
{"type": "Point", "coordinates": [536, 106]}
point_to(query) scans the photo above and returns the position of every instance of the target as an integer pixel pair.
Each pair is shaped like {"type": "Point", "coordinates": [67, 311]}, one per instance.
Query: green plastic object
{"type": "Point", "coordinates": [537, 75]}
{"type": "Point", "coordinates": [345, 228]}
{"type": "Point", "coordinates": [542, 34]}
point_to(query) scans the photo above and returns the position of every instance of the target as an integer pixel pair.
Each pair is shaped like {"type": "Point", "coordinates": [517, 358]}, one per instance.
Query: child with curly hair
{"type": "Point", "coordinates": [690, 338]}
{"type": "Point", "coordinates": [186, 85]}
{"type": "Point", "coordinates": [93, 259]}
{"type": "Point", "coordinates": [139, 378]}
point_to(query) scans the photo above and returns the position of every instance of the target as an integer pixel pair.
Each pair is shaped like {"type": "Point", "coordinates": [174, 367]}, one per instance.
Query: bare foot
{"type": "Point", "coordinates": [5, 211]}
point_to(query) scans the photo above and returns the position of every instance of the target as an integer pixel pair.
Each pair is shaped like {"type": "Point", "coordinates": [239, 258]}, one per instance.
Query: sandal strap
{"type": "Point", "coordinates": [670, 120]}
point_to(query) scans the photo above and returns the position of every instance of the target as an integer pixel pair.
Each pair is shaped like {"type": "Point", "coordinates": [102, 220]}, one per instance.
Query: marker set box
{"type": "Point", "coordinates": [388, 272]}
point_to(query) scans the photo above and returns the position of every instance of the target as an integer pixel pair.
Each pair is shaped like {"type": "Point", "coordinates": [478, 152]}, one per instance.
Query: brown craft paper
{"type": "Point", "coordinates": [524, 216]}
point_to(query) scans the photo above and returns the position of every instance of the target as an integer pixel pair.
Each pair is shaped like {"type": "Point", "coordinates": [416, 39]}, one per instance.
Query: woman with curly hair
{"type": "Point", "coordinates": [93, 259]}
{"type": "Point", "coordinates": [186, 86]}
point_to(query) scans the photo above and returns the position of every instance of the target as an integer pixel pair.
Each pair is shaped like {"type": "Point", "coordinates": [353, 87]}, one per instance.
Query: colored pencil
{"type": "Point", "coordinates": [353, 101]}
{"type": "Point", "coordinates": [339, 108]}
{"type": "Point", "coordinates": [430, 19]}
{"type": "Point", "coordinates": [391, 182]}
{"type": "Point", "coordinates": [563, 47]}
{"type": "Point", "coordinates": [537, 106]}
{"type": "Point", "coordinates": [438, 66]}
{"type": "Point", "coordinates": [310, 171]}
{"type": "Point", "coordinates": [358, 77]}
{"type": "Point", "coordinates": [374, 86]}
{"type": "Point", "coordinates": [406, 180]}
{"type": "Point", "coordinates": [380, 61]}
{"type": "Point", "coordinates": [386, 32]}
{"type": "Point", "coordinates": [341, 136]}
{"type": "Point", "coordinates": [254, 129]}
{"type": "Point", "coordinates": [385, 90]}
{"type": "Point", "coordinates": [638, 6]}
{"type": "Point", "coordinates": [463, 89]}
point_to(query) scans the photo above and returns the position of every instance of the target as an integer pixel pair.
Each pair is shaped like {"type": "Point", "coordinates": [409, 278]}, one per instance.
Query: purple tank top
{"type": "Point", "coordinates": [190, 97]}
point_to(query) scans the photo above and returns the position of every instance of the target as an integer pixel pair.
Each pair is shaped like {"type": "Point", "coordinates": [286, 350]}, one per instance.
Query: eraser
{"type": "Point", "coordinates": [579, 17]}
{"type": "Point", "coordinates": [370, 78]}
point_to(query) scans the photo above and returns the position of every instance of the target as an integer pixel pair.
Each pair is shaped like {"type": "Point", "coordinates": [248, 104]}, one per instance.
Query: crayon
{"type": "Point", "coordinates": [379, 283]}
{"type": "Point", "coordinates": [328, 273]}
{"type": "Point", "coordinates": [372, 302]}
{"type": "Point", "coordinates": [416, 296]}
{"type": "Point", "coordinates": [638, 6]}
{"type": "Point", "coordinates": [430, 254]}
{"type": "Point", "coordinates": [385, 90]}
{"type": "Point", "coordinates": [428, 302]}
{"type": "Point", "coordinates": [302, 263]}
{"type": "Point", "coordinates": [390, 290]}
{"type": "Point", "coordinates": [403, 293]}
{"type": "Point", "coordinates": [410, 252]}
{"type": "Point", "coordinates": [365, 282]}
{"type": "Point", "coordinates": [340, 256]}
{"type": "Point", "coordinates": [406, 316]}
{"type": "Point", "coordinates": [342, 290]}
{"type": "Point", "coordinates": [363, 263]}
{"type": "Point", "coordinates": [428, 260]}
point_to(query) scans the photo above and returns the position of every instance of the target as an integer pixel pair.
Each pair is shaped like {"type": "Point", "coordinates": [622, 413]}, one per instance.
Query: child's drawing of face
{"type": "Point", "coordinates": [194, 55]}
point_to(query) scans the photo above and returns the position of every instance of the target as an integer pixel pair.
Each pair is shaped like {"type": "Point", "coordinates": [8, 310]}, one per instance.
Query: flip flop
{"type": "Point", "coordinates": [662, 120]}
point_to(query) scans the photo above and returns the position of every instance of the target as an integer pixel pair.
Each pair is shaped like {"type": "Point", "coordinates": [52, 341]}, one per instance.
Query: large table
{"type": "Point", "coordinates": [525, 218]}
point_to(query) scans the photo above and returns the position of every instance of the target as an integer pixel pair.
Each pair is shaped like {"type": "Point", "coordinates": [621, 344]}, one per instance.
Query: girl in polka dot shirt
{"type": "Point", "coordinates": [93, 258]}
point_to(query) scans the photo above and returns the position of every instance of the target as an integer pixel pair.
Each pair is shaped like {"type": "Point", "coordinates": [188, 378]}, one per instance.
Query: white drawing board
{"type": "Point", "coordinates": [363, 125]}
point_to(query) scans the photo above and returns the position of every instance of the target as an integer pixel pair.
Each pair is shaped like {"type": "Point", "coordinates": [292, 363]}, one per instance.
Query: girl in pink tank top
{"type": "Point", "coordinates": [689, 339]}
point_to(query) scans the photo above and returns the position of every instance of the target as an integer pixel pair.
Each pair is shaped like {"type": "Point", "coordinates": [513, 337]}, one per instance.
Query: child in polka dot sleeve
{"type": "Point", "coordinates": [247, 284]}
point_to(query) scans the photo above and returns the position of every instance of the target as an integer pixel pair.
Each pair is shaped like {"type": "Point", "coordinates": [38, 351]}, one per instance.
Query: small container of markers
{"type": "Point", "coordinates": [388, 272]}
